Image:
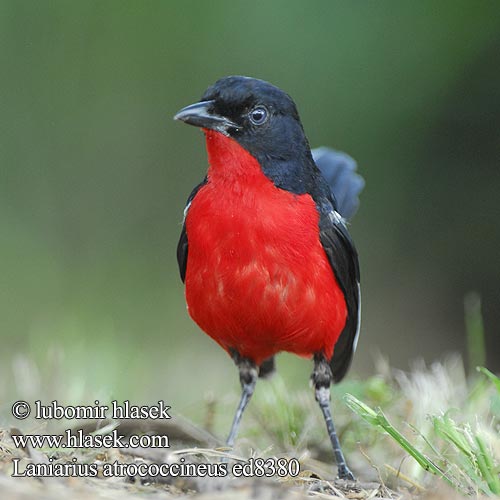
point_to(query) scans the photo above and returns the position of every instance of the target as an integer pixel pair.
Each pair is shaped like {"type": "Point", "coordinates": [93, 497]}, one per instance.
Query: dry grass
{"type": "Point", "coordinates": [437, 415]}
{"type": "Point", "coordinates": [284, 423]}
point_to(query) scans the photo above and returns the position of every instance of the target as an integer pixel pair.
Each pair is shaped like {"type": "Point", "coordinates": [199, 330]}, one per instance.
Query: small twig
{"type": "Point", "coordinates": [404, 477]}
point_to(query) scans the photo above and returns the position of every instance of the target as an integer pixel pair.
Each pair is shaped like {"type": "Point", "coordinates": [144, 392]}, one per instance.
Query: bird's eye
{"type": "Point", "coordinates": [258, 115]}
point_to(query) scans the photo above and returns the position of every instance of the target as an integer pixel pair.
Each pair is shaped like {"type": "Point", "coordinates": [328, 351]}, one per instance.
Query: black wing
{"type": "Point", "coordinates": [339, 171]}
{"type": "Point", "coordinates": [343, 258]}
{"type": "Point", "coordinates": [182, 246]}
{"type": "Point", "coordinates": [340, 203]}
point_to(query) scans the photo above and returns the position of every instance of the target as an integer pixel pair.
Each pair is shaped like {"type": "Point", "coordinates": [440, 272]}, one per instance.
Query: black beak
{"type": "Point", "coordinates": [201, 114]}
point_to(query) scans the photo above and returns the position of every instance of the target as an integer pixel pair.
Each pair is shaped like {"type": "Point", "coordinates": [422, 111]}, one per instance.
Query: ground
{"type": "Point", "coordinates": [429, 433]}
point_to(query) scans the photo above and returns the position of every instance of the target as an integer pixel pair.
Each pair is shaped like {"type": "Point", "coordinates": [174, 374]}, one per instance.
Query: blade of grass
{"type": "Point", "coordinates": [378, 419]}
{"type": "Point", "coordinates": [491, 376]}
{"type": "Point", "coordinates": [474, 458]}
{"type": "Point", "coordinates": [447, 429]}
{"type": "Point", "coordinates": [485, 463]}
{"type": "Point", "coordinates": [427, 442]}
{"type": "Point", "coordinates": [475, 330]}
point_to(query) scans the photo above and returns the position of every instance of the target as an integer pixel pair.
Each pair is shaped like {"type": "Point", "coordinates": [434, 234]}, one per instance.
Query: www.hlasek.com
{"type": "Point", "coordinates": [21, 410]}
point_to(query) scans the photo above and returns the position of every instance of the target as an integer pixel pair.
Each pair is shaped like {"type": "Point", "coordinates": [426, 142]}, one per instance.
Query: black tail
{"type": "Point", "coordinates": [339, 170]}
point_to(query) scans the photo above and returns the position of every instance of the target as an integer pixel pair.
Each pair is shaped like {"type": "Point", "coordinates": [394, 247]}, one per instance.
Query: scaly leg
{"type": "Point", "coordinates": [248, 379]}
{"type": "Point", "coordinates": [322, 378]}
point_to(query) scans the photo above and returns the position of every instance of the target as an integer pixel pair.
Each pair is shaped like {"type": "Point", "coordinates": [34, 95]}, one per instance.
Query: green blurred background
{"type": "Point", "coordinates": [94, 174]}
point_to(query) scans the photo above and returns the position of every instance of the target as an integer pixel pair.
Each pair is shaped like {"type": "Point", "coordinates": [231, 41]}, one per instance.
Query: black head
{"type": "Point", "coordinates": [258, 115]}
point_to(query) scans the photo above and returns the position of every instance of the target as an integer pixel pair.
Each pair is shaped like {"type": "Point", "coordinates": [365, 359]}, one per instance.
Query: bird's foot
{"type": "Point", "coordinates": [345, 473]}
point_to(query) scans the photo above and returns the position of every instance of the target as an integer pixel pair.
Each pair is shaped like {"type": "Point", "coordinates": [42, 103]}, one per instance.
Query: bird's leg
{"type": "Point", "coordinates": [267, 368]}
{"type": "Point", "coordinates": [322, 378]}
{"type": "Point", "coordinates": [248, 379]}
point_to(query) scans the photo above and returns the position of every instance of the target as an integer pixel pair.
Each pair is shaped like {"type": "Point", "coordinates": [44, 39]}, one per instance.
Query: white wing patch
{"type": "Point", "coordinates": [356, 337]}
{"type": "Point", "coordinates": [336, 218]}
{"type": "Point", "coordinates": [186, 211]}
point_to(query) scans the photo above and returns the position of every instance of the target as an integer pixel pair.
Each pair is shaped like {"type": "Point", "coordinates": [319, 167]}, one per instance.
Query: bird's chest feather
{"type": "Point", "coordinates": [256, 271]}
{"type": "Point", "coordinates": [256, 231]}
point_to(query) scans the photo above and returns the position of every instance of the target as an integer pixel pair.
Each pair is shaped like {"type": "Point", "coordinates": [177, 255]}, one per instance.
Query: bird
{"type": "Point", "coordinates": [264, 252]}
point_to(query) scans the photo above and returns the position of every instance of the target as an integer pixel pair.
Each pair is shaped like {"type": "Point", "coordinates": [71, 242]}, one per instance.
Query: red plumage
{"type": "Point", "coordinates": [257, 278]}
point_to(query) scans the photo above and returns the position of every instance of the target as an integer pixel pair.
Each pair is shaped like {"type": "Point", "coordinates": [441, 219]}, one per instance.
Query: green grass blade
{"type": "Point", "coordinates": [378, 419]}
{"type": "Point", "coordinates": [474, 456]}
{"type": "Point", "coordinates": [491, 376]}
{"type": "Point", "coordinates": [447, 429]}
{"type": "Point", "coordinates": [485, 463]}
{"type": "Point", "coordinates": [475, 330]}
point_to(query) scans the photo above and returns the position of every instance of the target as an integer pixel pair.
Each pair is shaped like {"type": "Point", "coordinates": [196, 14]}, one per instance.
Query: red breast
{"type": "Point", "coordinates": [257, 277]}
